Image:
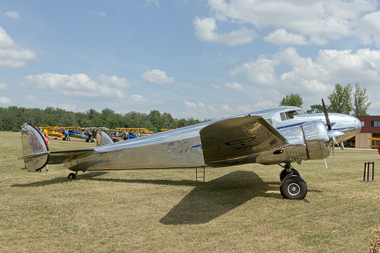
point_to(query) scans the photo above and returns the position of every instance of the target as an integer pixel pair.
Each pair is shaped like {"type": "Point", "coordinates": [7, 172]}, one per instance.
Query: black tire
{"type": "Point", "coordinates": [293, 187]}
{"type": "Point", "coordinates": [72, 176]}
{"type": "Point", "coordinates": [284, 173]}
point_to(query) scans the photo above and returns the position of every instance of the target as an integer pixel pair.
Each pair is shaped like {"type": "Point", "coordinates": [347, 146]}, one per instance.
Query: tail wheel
{"type": "Point", "coordinates": [293, 187]}
{"type": "Point", "coordinates": [72, 176]}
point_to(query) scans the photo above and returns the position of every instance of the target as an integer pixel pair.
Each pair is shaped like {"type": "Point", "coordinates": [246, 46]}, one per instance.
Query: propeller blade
{"type": "Point", "coordinates": [326, 115]}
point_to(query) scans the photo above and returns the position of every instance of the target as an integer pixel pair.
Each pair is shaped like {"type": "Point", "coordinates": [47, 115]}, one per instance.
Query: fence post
{"type": "Point", "coordinates": [366, 170]}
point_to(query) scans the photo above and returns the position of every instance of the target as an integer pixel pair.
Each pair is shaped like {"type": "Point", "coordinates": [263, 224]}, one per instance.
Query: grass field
{"type": "Point", "coordinates": [237, 209]}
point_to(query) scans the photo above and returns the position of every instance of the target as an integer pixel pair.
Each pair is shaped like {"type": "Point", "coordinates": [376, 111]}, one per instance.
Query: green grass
{"type": "Point", "coordinates": [238, 209]}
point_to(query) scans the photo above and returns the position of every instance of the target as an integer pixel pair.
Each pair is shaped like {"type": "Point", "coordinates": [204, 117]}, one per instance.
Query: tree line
{"type": "Point", "coordinates": [13, 117]}
{"type": "Point", "coordinates": [343, 100]}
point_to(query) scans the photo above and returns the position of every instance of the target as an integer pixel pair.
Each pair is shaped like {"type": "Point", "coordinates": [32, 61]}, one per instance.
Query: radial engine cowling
{"type": "Point", "coordinates": [317, 140]}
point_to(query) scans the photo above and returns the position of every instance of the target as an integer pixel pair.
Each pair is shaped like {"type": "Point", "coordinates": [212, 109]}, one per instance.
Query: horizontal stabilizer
{"type": "Point", "coordinates": [57, 157]}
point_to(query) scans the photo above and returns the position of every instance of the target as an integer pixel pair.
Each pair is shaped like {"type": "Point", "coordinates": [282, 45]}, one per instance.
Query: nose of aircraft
{"type": "Point", "coordinates": [358, 124]}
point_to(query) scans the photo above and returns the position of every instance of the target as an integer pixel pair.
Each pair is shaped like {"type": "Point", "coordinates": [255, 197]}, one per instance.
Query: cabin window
{"type": "Point", "coordinates": [269, 120]}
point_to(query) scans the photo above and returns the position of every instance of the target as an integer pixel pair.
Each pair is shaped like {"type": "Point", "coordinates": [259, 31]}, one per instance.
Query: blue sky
{"type": "Point", "coordinates": [191, 58]}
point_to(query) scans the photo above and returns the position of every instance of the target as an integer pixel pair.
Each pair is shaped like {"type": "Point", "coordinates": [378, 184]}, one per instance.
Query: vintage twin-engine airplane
{"type": "Point", "coordinates": [280, 135]}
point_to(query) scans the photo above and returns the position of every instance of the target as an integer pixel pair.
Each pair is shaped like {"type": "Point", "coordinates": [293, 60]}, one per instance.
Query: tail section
{"type": "Point", "coordinates": [34, 148]}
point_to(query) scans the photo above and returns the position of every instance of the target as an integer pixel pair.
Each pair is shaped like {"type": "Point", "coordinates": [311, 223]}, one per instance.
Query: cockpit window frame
{"type": "Point", "coordinates": [290, 114]}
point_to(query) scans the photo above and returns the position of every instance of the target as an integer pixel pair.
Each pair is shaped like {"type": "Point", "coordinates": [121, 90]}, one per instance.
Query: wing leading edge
{"type": "Point", "coordinates": [238, 137]}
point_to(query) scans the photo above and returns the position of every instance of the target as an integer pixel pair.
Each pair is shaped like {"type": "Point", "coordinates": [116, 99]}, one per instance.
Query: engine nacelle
{"type": "Point", "coordinates": [309, 141]}
{"type": "Point", "coordinates": [317, 140]}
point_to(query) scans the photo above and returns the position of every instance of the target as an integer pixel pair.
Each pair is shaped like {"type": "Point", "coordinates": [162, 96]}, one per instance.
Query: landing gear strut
{"type": "Point", "coordinates": [292, 185]}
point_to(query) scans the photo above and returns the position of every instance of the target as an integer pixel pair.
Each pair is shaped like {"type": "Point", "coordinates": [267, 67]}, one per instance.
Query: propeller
{"type": "Point", "coordinates": [332, 134]}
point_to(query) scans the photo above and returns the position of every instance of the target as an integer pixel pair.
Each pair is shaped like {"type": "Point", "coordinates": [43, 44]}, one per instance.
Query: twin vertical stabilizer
{"type": "Point", "coordinates": [34, 148]}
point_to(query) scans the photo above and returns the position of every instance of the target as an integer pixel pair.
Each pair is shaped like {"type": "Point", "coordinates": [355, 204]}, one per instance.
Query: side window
{"type": "Point", "coordinates": [283, 116]}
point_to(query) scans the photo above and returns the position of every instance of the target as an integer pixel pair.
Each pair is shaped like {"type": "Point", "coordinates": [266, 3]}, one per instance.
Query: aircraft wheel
{"type": "Point", "coordinates": [87, 140]}
{"type": "Point", "coordinates": [72, 176]}
{"type": "Point", "coordinates": [293, 187]}
{"type": "Point", "coordinates": [284, 173]}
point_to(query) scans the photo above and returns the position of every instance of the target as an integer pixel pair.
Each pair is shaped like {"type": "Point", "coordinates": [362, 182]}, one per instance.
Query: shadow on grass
{"type": "Point", "coordinates": [60, 180]}
{"type": "Point", "coordinates": [212, 199]}
{"type": "Point", "coordinates": [217, 197]}
{"type": "Point", "coordinates": [207, 201]}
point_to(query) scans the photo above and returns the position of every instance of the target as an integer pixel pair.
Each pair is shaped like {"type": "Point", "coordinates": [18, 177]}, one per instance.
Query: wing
{"type": "Point", "coordinates": [238, 137]}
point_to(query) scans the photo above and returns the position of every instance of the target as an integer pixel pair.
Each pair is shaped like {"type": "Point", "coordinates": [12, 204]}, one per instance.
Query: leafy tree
{"type": "Point", "coordinates": [361, 101]}
{"type": "Point", "coordinates": [315, 109]}
{"type": "Point", "coordinates": [13, 117]}
{"type": "Point", "coordinates": [340, 99]}
{"type": "Point", "coordinates": [167, 120]}
{"type": "Point", "coordinates": [292, 100]}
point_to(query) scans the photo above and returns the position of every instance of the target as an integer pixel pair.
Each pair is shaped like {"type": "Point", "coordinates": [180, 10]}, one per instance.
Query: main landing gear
{"type": "Point", "coordinates": [292, 185]}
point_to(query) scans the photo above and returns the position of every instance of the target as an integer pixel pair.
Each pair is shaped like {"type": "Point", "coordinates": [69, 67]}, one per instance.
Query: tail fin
{"type": "Point", "coordinates": [103, 138]}
{"type": "Point", "coordinates": [34, 148]}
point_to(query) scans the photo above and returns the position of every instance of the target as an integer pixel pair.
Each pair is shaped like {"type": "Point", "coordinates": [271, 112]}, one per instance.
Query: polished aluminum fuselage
{"type": "Point", "coordinates": [182, 148]}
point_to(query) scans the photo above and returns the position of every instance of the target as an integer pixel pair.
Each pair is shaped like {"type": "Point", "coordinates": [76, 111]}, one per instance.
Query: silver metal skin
{"type": "Point", "coordinates": [278, 135]}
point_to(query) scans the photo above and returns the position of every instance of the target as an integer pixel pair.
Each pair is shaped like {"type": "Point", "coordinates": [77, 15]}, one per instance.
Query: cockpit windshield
{"type": "Point", "coordinates": [290, 114]}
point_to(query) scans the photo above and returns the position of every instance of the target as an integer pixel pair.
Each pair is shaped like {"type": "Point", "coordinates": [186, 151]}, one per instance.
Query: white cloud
{"type": "Point", "coordinates": [226, 108]}
{"type": "Point", "coordinates": [156, 76]}
{"type": "Point", "coordinates": [282, 37]}
{"type": "Point", "coordinates": [138, 99]}
{"type": "Point", "coordinates": [260, 71]}
{"type": "Point", "coordinates": [206, 30]}
{"type": "Point", "coordinates": [5, 100]}
{"type": "Point", "coordinates": [315, 77]}
{"type": "Point", "coordinates": [190, 104]}
{"type": "Point", "coordinates": [310, 22]}
{"type": "Point", "coordinates": [11, 53]}
{"type": "Point", "coordinates": [234, 85]}
{"type": "Point", "coordinates": [3, 86]}
{"type": "Point", "coordinates": [216, 87]}
{"type": "Point", "coordinates": [81, 84]}
{"type": "Point", "coordinates": [12, 14]}
{"type": "Point", "coordinates": [369, 29]}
